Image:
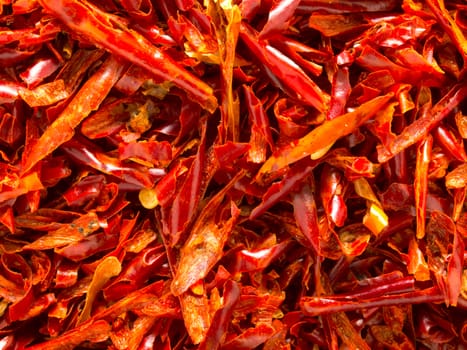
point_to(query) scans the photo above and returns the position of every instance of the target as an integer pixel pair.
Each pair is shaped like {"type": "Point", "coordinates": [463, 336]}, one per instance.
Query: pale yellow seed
{"type": "Point", "coordinates": [148, 198]}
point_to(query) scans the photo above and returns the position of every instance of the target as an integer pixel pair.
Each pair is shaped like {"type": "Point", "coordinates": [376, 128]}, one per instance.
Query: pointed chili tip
{"type": "Point", "coordinates": [255, 213]}
{"type": "Point", "coordinates": [211, 104]}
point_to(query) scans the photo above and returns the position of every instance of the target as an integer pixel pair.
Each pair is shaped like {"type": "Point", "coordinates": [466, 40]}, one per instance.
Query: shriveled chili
{"type": "Point", "coordinates": [236, 174]}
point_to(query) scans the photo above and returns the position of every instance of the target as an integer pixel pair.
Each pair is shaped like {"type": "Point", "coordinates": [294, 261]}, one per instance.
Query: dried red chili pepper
{"type": "Point", "coordinates": [88, 99]}
{"type": "Point", "coordinates": [316, 143]}
{"type": "Point", "coordinates": [421, 183]}
{"type": "Point", "coordinates": [108, 31]}
{"type": "Point", "coordinates": [321, 204]}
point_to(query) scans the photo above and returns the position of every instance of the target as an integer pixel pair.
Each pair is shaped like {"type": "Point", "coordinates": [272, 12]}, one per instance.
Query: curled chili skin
{"type": "Point", "coordinates": [107, 31]}
{"type": "Point", "coordinates": [233, 174]}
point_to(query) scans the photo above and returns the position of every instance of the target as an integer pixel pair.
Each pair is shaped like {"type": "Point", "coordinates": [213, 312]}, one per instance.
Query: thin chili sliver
{"type": "Point", "coordinates": [233, 174]}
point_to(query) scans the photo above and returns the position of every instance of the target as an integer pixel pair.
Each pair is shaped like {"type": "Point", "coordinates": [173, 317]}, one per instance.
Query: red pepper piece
{"type": "Point", "coordinates": [450, 141]}
{"type": "Point", "coordinates": [250, 338]}
{"type": "Point", "coordinates": [166, 188]}
{"type": "Point", "coordinates": [283, 72]}
{"type": "Point", "coordinates": [139, 9]}
{"type": "Point", "coordinates": [10, 128]}
{"type": "Point", "coordinates": [24, 6]}
{"type": "Point", "coordinates": [456, 181]}
{"type": "Point", "coordinates": [94, 332]}
{"type": "Point", "coordinates": [456, 269]}
{"type": "Point", "coordinates": [67, 233]}
{"type": "Point", "coordinates": [45, 94]}
{"type": "Point", "coordinates": [432, 327]}
{"type": "Point", "coordinates": [340, 323]}
{"type": "Point", "coordinates": [257, 260]}
{"type": "Point", "coordinates": [165, 306]}
{"type": "Point", "coordinates": [441, 232]}
{"type": "Point", "coordinates": [100, 28]}
{"type": "Point", "coordinates": [320, 139]}
{"type": "Point", "coordinates": [416, 262]}
{"type": "Point", "coordinates": [7, 218]}
{"type": "Point", "coordinates": [155, 35]}
{"type": "Point", "coordinates": [187, 199]}
{"type": "Point", "coordinates": [325, 305]}
{"type": "Point", "coordinates": [21, 186]}
{"type": "Point", "coordinates": [18, 288]}
{"type": "Point", "coordinates": [99, 125]}
{"type": "Point", "coordinates": [229, 152]}
{"type": "Point", "coordinates": [308, 58]}
{"type": "Point", "coordinates": [279, 190]}
{"type": "Point", "coordinates": [461, 123]}
{"type": "Point", "coordinates": [88, 246]}
{"type": "Point", "coordinates": [11, 57]}
{"type": "Point", "coordinates": [142, 266]}
{"type": "Point", "coordinates": [449, 25]}
{"type": "Point", "coordinates": [331, 25]}
{"type": "Point", "coordinates": [279, 17]}
{"type": "Point", "coordinates": [346, 6]}
{"type": "Point", "coordinates": [28, 37]}
{"type": "Point", "coordinates": [184, 5]}
{"type": "Point", "coordinates": [260, 130]}
{"type": "Point", "coordinates": [205, 244]}
{"type": "Point", "coordinates": [53, 170]}
{"type": "Point", "coordinates": [9, 91]}
{"type": "Point", "coordinates": [421, 183]}
{"type": "Point", "coordinates": [85, 190]}
{"type": "Point", "coordinates": [287, 119]}
{"type": "Point", "coordinates": [306, 215]}
{"type": "Point", "coordinates": [88, 154]}
{"type": "Point", "coordinates": [157, 153]}
{"type": "Point", "coordinates": [221, 319]}
{"type": "Point", "coordinates": [38, 71]}
{"type": "Point", "coordinates": [420, 128]}
{"type": "Point", "coordinates": [413, 73]}
{"type": "Point", "coordinates": [196, 315]}
{"type": "Point", "coordinates": [340, 92]}
{"type": "Point", "coordinates": [66, 274]}
{"type": "Point", "coordinates": [391, 337]}
{"type": "Point", "coordinates": [353, 167]}
{"type": "Point", "coordinates": [88, 99]}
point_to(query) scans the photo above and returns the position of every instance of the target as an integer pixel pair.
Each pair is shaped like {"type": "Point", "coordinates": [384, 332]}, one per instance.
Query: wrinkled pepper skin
{"type": "Point", "coordinates": [235, 174]}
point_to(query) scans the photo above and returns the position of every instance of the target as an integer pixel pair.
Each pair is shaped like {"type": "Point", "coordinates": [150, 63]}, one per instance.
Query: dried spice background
{"type": "Point", "coordinates": [222, 174]}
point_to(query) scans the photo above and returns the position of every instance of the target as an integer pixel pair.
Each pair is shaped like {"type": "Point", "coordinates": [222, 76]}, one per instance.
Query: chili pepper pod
{"type": "Point", "coordinates": [136, 273]}
{"type": "Point", "coordinates": [306, 215]}
{"type": "Point", "coordinates": [347, 6]}
{"type": "Point", "coordinates": [260, 129]}
{"type": "Point", "coordinates": [283, 72]}
{"type": "Point", "coordinates": [62, 129]}
{"type": "Point", "coordinates": [456, 182]}
{"type": "Point", "coordinates": [451, 141]}
{"type": "Point", "coordinates": [132, 175]}
{"type": "Point", "coordinates": [421, 183]}
{"type": "Point", "coordinates": [332, 191]}
{"type": "Point", "coordinates": [330, 305]}
{"type": "Point", "coordinates": [421, 127]}
{"type": "Point", "coordinates": [110, 32]}
{"type": "Point", "coordinates": [163, 192]}
{"type": "Point", "coordinates": [322, 205]}
{"type": "Point", "coordinates": [318, 141]}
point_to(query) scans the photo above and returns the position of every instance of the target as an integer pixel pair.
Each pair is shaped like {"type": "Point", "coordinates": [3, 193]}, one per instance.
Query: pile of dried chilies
{"type": "Point", "coordinates": [244, 174]}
